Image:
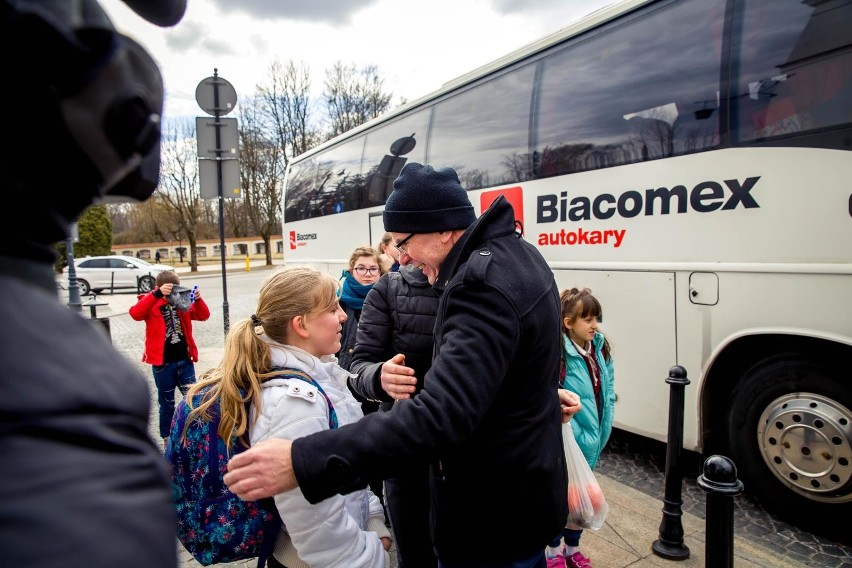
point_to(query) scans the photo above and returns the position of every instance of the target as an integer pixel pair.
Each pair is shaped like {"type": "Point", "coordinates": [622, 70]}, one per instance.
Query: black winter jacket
{"type": "Point", "coordinates": [398, 317]}
{"type": "Point", "coordinates": [488, 416]}
{"type": "Point", "coordinates": [348, 335]}
{"type": "Point", "coordinates": [83, 485]}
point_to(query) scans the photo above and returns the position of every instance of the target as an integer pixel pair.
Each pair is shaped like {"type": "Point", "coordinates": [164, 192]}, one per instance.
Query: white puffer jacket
{"type": "Point", "coordinates": [342, 530]}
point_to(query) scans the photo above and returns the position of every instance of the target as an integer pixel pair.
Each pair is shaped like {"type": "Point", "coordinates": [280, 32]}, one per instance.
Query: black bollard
{"type": "Point", "coordinates": [670, 544]}
{"type": "Point", "coordinates": [719, 481]}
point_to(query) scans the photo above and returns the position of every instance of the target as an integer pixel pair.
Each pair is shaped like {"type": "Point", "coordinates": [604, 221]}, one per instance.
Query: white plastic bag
{"type": "Point", "coordinates": [587, 507]}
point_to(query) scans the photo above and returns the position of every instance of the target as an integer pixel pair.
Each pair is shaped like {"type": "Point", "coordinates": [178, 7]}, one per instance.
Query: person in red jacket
{"type": "Point", "coordinates": [168, 311]}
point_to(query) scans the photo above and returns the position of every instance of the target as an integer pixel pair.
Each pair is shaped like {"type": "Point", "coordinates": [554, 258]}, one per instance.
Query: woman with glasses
{"type": "Point", "coordinates": [364, 271]}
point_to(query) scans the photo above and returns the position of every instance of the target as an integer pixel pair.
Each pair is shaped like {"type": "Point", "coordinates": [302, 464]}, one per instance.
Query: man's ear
{"type": "Point", "coordinates": [297, 324]}
{"type": "Point", "coordinates": [451, 237]}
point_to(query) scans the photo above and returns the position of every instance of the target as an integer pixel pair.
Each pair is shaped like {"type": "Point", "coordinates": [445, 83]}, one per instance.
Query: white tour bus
{"type": "Point", "coordinates": [690, 161]}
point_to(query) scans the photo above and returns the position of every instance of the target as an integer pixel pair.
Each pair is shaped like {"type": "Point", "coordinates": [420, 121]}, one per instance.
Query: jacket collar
{"type": "Point", "coordinates": [497, 221]}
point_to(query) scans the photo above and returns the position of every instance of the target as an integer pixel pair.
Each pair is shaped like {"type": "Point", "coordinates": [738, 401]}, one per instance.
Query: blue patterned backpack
{"type": "Point", "coordinates": [214, 525]}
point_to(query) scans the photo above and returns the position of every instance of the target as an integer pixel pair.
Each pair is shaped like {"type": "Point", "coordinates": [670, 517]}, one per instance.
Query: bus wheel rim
{"type": "Point", "coordinates": [806, 441]}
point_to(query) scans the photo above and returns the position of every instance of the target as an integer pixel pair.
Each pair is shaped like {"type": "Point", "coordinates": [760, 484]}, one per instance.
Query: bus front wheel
{"type": "Point", "coordinates": [790, 436]}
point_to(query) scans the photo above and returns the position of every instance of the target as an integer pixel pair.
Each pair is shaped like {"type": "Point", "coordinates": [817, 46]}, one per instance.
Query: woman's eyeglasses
{"type": "Point", "coordinates": [362, 270]}
{"type": "Point", "coordinates": [400, 246]}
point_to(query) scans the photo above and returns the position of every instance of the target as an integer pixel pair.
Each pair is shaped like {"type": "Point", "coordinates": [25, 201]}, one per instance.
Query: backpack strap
{"type": "Point", "coordinates": [288, 373]}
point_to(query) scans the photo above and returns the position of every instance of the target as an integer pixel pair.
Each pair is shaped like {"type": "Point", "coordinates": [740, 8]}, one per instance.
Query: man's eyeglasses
{"type": "Point", "coordinates": [362, 270]}
{"type": "Point", "coordinates": [400, 246]}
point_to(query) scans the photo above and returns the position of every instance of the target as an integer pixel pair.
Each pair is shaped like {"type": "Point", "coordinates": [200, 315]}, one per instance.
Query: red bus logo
{"type": "Point", "coordinates": [514, 195]}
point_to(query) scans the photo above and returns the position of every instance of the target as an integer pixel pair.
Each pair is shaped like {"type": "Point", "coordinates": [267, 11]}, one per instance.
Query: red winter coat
{"type": "Point", "coordinates": [148, 309]}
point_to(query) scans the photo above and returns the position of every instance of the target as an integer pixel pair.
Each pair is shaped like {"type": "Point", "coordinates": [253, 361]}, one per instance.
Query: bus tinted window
{"type": "Point", "coordinates": [639, 90]}
{"type": "Point", "coordinates": [643, 87]}
{"type": "Point", "coordinates": [340, 184]}
{"type": "Point", "coordinates": [483, 132]}
{"type": "Point", "coordinates": [388, 148]}
{"type": "Point", "coordinates": [795, 68]}
{"type": "Point", "coordinates": [301, 182]}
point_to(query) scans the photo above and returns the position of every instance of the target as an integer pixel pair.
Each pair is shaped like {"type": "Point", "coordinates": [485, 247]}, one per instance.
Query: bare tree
{"type": "Point", "coordinates": [276, 124]}
{"type": "Point", "coordinates": [140, 222]}
{"type": "Point", "coordinates": [286, 109]}
{"type": "Point", "coordinates": [179, 188]}
{"type": "Point", "coordinates": [353, 97]}
{"type": "Point", "coordinates": [235, 215]}
{"type": "Point", "coordinates": [261, 174]}
{"type": "Point", "coordinates": [123, 227]}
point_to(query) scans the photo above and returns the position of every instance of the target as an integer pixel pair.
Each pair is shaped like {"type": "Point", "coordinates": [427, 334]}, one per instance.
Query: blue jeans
{"type": "Point", "coordinates": [167, 377]}
{"type": "Point", "coordinates": [535, 561]}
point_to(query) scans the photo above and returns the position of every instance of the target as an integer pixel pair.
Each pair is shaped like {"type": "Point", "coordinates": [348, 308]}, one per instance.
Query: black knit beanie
{"type": "Point", "coordinates": [425, 200]}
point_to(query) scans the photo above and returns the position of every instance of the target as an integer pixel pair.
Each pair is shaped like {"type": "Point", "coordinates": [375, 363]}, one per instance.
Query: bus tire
{"type": "Point", "coordinates": [790, 437]}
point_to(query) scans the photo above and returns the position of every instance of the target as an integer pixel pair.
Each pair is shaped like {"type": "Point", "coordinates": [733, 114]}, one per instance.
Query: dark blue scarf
{"type": "Point", "coordinates": [353, 294]}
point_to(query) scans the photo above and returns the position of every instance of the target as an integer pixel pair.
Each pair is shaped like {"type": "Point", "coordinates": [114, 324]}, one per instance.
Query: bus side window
{"type": "Point", "coordinates": [785, 91]}
{"type": "Point", "coordinates": [386, 151]}
{"type": "Point", "coordinates": [778, 115]}
{"type": "Point", "coordinates": [819, 68]}
{"type": "Point", "coordinates": [591, 88]}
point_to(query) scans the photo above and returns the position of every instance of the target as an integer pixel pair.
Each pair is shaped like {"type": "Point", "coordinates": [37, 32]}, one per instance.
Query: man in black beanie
{"type": "Point", "coordinates": [487, 418]}
{"type": "Point", "coordinates": [83, 484]}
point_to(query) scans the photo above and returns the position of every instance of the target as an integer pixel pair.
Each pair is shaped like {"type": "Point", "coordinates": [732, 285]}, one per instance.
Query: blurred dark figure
{"type": "Point", "coordinates": [83, 483]}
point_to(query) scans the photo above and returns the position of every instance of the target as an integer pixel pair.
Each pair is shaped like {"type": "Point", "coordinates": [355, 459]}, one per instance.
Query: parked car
{"type": "Point", "coordinates": [99, 273]}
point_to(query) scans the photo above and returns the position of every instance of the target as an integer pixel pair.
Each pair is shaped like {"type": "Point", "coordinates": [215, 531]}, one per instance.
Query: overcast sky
{"type": "Point", "coordinates": [417, 45]}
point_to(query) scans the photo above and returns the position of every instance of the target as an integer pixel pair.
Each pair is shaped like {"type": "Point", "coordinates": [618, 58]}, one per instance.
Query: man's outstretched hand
{"type": "Point", "coordinates": [264, 470]}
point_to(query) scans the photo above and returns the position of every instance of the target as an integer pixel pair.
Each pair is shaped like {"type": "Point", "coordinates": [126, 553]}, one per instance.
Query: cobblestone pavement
{"type": "Point", "coordinates": [641, 464]}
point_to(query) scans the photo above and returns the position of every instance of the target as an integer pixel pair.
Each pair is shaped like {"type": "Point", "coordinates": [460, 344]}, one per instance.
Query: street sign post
{"type": "Point", "coordinates": [213, 155]}
{"type": "Point", "coordinates": [208, 174]}
{"type": "Point", "coordinates": [217, 96]}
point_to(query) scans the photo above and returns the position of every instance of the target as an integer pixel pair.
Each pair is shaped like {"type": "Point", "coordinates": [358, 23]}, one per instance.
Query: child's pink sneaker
{"type": "Point", "coordinates": [557, 561]}
{"type": "Point", "coordinates": [577, 560]}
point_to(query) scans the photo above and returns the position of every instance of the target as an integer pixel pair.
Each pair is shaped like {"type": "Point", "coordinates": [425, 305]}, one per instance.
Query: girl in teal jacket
{"type": "Point", "coordinates": [587, 370]}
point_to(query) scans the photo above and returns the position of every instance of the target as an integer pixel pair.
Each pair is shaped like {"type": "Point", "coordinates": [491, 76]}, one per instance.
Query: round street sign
{"type": "Point", "coordinates": [207, 91]}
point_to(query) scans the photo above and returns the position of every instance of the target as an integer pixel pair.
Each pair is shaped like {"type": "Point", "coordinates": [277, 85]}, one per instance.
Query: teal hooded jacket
{"type": "Point", "coordinates": [591, 428]}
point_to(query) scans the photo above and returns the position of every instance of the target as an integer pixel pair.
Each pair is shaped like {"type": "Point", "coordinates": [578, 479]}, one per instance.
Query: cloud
{"type": "Point", "coordinates": [417, 45]}
{"type": "Point", "coordinates": [185, 36]}
{"type": "Point", "coordinates": [333, 12]}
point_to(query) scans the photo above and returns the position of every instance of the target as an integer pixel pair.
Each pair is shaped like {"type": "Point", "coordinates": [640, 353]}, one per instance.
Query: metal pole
{"type": "Point", "coordinates": [670, 544]}
{"type": "Point", "coordinates": [217, 126]}
{"type": "Point", "coordinates": [719, 481]}
{"type": "Point", "coordinates": [73, 287]}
